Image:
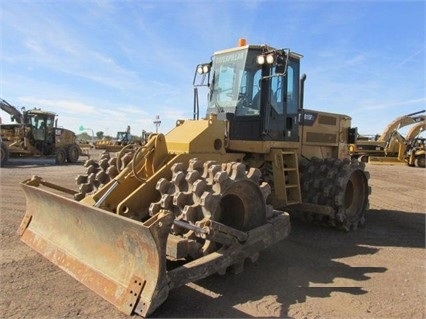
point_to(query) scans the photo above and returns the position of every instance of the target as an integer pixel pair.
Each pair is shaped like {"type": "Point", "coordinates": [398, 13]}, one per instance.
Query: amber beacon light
{"type": "Point", "coordinates": [242, 42]}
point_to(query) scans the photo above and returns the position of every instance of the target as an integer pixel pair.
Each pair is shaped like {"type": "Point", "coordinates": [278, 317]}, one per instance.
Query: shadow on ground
{"type": "Point", "coordinates": [302, 266]}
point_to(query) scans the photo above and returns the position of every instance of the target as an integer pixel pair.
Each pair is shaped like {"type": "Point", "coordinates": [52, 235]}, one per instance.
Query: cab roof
{"type": "Point", "coordinates": [40, 112]}
{"type": "Point", "coordinates": [257, 47]}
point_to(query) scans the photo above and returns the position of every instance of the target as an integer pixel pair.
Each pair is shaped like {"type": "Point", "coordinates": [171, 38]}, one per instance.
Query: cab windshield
{"type": "Point", "coordinates": [41, 124]}
{"type": "Point", "coordinates": [235, 80]}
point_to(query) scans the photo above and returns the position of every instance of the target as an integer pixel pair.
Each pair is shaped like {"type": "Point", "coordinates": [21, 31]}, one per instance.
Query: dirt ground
{"type": "Point", "coordinates": [375, 272]}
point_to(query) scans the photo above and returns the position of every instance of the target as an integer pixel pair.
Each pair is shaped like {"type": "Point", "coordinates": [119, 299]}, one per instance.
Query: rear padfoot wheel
{"type": "Point", "coordinates": [340, 184]}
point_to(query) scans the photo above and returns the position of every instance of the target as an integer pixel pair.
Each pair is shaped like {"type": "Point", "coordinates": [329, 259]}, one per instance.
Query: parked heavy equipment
{"type": "Point", "coordinates": [36, 134]}
{"type": "Point", "coordinates": [416, 153]}
{"type": "Point", "coordinates": [389, 147]}
{"type": "Point", "coordinates": [122, 139]}
{"type": "Point", "coordinates": [209, 194]}
{"type": "Point", "coordinates": [415, 146]}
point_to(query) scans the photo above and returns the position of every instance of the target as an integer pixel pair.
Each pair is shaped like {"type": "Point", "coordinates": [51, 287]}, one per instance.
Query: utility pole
{"type": "Point", "coordinates": [157, 123]}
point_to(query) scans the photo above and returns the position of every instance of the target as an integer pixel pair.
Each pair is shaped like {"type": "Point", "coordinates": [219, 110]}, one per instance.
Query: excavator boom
{"type": "Point", "coordinates": [400, 122]}
{"type": "Point", "coordinates": [13, 111]}
{"type": "Point", "coordinates": [415, 130]}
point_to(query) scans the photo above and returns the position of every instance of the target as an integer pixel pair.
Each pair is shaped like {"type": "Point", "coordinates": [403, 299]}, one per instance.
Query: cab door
{"type": "Point", "coordinates": [280, 104]}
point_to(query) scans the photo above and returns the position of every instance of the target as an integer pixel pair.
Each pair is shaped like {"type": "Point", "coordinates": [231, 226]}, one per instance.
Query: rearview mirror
{"type": "Point", "coordinates": [280, 63]}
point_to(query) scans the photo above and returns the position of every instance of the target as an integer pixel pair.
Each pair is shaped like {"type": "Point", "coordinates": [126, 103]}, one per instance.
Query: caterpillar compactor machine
{"type": "Point", "coordinates": [211, 193]}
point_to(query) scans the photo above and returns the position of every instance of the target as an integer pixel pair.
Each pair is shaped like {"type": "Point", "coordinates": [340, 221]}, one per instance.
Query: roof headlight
{"type": "Point", "coordinates": [270, 58]}
{"type": "Point", "coordinates": [260, 59]}
{"type": "Point", "coordinates": [203, 68]}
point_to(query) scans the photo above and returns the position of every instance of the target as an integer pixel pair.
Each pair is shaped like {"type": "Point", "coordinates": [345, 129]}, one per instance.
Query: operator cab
{"type": "Point", "coordinates": [42, 129]}
{"type": "Point", "coordinates": [256, 88]}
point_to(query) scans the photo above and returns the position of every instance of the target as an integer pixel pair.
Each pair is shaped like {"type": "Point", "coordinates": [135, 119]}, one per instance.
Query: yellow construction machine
{"type": "Point", "coordinates": [122, 139]}
{"type": "Point", "coordinates": [35, 134]}
{"type": "Point", "coordinates": [211, 193]}
{"type": "Point", "coordinates": [389, 147]}
{"type": "Point", "coordinates": [415, 152]}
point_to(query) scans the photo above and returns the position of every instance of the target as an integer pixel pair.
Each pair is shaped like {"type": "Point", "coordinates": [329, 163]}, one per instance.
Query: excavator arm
{"type": "Point", "coordinates": [13, 111]}
{"type": "Point", "coordinates": [416, 130]}
{"type": "Point", "coordinates": [401, 122]}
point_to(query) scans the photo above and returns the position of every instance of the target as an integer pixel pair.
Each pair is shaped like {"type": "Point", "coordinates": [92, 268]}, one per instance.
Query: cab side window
{"type": "Point", "coordinates": [276, 93]}
{"type": "Point", "coordinates": [292, 89]}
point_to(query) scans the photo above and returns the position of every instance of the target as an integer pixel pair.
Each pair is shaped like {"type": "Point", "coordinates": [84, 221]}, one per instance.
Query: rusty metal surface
{"type": "Point", "coordinates": [104, 251]}
{"type": "Point", "coordinates": [233, 256]}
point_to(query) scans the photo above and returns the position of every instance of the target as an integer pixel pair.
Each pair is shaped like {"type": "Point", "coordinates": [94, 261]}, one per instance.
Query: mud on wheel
{"type": "Point", "coordinates": [225, 193]}
{"type": "Point", "coordinates": [340, 184]}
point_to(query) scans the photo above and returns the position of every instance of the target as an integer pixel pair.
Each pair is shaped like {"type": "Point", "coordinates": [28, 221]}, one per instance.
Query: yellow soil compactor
{"type": "Point", "coordinates": [211, 193]}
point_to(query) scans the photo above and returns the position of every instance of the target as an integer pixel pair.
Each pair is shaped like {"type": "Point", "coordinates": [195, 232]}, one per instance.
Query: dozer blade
{"type": "Point", "coordinates": [122, 260]}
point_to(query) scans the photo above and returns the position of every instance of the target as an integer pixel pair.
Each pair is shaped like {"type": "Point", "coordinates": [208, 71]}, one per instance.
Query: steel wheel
{"type": "Point", "coordinates": [351, 199]}
{"type": "Point", "coordinates": [206, 191]}
{"type": "Point", "coordinates": [342, 185]}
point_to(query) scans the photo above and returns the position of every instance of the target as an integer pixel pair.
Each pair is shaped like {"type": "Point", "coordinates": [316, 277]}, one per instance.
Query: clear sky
{"type": "Point", "coordinates": [108, 64]}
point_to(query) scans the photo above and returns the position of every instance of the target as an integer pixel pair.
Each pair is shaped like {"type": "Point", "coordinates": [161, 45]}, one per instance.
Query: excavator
{"type": "Point", "coordinates": [210, 194]}
{"type": "Point", "coordinates": [389, 147]}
